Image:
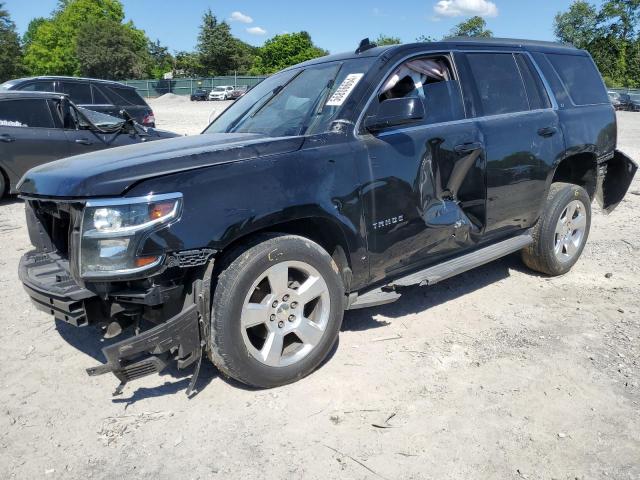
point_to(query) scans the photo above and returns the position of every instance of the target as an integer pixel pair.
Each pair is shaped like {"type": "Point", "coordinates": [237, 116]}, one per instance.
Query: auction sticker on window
{"type": "Point", "coordinates": [344, 90]}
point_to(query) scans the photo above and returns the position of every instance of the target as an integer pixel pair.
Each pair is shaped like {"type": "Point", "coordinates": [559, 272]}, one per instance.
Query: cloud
{"type": "Point", "coordinates": [241, 17]}
{"type": "Point", "coordinates": [460, 8]}
{"type": "Point", "coordinates": [256, 31]}
{"type": "Point", "coordinates": [379, 13]}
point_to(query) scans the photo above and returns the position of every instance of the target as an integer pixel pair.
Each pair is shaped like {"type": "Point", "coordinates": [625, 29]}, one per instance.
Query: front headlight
{"type": "Point", "coordinates": [112, 231]}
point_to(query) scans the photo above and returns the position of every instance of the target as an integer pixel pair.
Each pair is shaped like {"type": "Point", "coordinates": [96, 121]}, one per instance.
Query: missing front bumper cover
{"type": "Point", "coordinates": [152, 350]}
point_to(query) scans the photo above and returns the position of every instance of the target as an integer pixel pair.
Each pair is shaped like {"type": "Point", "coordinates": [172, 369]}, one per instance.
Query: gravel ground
{"type": "Point", "coordinates": [497, 373]}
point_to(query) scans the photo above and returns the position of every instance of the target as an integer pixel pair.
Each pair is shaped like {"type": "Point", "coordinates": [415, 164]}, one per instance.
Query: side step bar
{"type": "Point", "coordinates": [442, 271]}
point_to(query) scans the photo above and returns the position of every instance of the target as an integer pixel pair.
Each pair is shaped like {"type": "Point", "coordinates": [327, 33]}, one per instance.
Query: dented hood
{"type": "Point", "coordinates": [111, 172]}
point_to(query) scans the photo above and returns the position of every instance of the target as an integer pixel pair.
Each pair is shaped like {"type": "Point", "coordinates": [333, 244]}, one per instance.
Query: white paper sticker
{"type": "Point", "coordinates": [344, 90]}
{"type": "Point", "coordinates": [11, 123]}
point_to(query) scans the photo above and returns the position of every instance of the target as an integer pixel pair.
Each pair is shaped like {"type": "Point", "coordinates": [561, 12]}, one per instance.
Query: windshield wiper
{"type": "Point", "coordinates": [318, 106]}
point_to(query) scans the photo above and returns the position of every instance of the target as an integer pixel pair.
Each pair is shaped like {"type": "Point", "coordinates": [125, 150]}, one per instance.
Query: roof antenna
{"type": "Point", "coordinates": [365, 44]}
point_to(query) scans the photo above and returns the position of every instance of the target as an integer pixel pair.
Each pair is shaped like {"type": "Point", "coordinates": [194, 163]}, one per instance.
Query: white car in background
{"type": "Point", "coordinates": [222, 92]}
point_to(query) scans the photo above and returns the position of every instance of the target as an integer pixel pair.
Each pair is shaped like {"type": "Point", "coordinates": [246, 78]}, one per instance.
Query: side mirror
{"type": "Point", "coordinates": [395, 111]}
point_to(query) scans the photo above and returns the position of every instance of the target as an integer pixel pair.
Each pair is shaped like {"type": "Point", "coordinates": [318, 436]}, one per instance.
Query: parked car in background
{"type": "Point", "coordinates": [238, 92]}
{"type": "Point", "coordinates": [100, 95]}
{"type": "Point", "coordinates": [200, 95]}
{"type": "Point", "coordinates": [222, 92]}
{"type": "Point", "coordinates": [614, 97]}
{"type": "Point", "coordinates": [633, 102]}
{"type": "Point", "coordinates": [39, 127]}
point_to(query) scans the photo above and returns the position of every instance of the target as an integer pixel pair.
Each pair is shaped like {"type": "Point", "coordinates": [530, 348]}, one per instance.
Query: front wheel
{"type": "Point", "coordinates": [561, 232]}
{"type": "Point", "coordinates": [277, 310]}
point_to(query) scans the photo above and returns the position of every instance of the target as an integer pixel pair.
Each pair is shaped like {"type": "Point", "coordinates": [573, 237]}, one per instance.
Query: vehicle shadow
{"type": "Point", "coordinates": [11, 200]}
{"type": "Point", "coordinates": [418, 299]}
{"type": "Point", "coordinates": [413, 300]}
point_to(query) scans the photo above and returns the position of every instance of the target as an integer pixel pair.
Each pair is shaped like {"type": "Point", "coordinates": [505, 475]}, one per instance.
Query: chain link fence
{"type": "Point", "coordinates": [186, 86]}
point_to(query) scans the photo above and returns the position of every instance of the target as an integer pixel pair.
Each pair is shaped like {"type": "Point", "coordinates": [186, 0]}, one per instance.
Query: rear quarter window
{"type": "Point", "coordinates": [124, 96]}
{"type": "Point", "coordinates": [25, 113]}
{"type": "Point", "coordinates": [580, 78]}
{"type": "Point", "coordinates": [79, 93]}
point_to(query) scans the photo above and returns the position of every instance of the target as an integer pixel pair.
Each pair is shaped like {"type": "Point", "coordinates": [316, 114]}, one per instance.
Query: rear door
{"type": "Point", "coordinates": [521, 135]}
{"type": "Point", "coordinates": [28, 136]}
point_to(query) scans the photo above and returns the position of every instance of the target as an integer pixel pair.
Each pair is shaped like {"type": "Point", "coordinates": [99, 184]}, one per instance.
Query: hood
{"type": "Point", "coordinates": [113, 171]}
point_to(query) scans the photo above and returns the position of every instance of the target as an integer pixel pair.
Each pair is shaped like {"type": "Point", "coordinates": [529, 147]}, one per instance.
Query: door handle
{"type": "Point", "coordinates": [7, 138]}
{"type": "Point", "coordinates": [468, 147]}
{"type": "Point", "coordinates": [83, 141]}
{"type": "Point", "coordinates": [547, 131]}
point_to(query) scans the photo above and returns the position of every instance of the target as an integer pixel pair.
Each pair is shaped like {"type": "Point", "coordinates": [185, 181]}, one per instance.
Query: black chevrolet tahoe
{"type": "Point", "coordinates": [332, 185]}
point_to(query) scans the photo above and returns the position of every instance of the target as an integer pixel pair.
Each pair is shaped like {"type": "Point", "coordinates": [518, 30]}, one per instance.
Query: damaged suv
{"type": "Point", "coordinates": [331, 185]}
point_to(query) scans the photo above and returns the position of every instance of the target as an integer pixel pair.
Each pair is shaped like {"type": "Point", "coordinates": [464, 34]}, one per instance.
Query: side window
{"type": "Point", "coordinates": [580, 78]}
{"type": "Point", "coordinates": [39, 86]}
{"type": "Point", "coordinates": [124, 96]}
{"type": "Point", "coordinates": [99, 98]}
{"type": "Point", "coordinates": [536, 92]}
{"type": "Point", "coordinates": [498, 82]}
{"type": "Point", "coordinates": [32, 113]}
{"type": "Point", "coordinates": [430, 79]}
{"type": "Point", "coordinates": [79, 93]}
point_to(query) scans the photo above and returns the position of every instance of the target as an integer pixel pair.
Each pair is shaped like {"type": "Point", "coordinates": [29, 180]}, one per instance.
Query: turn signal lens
{"type": "Point", "coordinates": [159, 210]}
{"type": "Point", "coordinates": [144, 261]}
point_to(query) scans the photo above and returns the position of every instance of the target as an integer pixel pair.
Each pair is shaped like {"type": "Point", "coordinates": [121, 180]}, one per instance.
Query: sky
{"type": "Point", "coordinates": [335, 25]}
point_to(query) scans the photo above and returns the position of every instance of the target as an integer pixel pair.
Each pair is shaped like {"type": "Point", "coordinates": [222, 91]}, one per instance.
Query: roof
{"type": "Point", "coordinates": [451, 44]}
{"type": "Point", "coordinates": [61, 77]}
{"type": "Point", "coordinates": [20, 94]}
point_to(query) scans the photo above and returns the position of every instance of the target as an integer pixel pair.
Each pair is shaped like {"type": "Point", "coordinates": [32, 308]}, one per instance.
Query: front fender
{"type": "Point", "coordinates": [614, 179]}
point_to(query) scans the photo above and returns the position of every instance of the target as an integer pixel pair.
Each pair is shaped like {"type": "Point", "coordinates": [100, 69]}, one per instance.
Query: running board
{"type": "Point", "coordinates": [442, 271]}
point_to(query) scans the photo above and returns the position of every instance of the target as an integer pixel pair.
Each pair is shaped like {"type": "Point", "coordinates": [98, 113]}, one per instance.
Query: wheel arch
{"type": "Point", "coordinates": [579, 169]}
{"type": "Point", "coordinates": [326, 232]}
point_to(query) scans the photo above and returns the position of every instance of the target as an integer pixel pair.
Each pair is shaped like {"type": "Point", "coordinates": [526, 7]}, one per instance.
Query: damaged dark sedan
{"type": "Point", "coordinates": [38, 127]}
{"type": "Point", "coordinates": [332, 185]}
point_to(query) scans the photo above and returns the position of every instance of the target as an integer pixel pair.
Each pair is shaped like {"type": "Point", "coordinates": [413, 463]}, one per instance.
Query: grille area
{"type": "Point", "coordinates": [50, 224]}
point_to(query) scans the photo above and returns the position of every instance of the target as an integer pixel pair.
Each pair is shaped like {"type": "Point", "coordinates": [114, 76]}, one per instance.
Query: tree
{"type": "Point", "coordinates": [473, 27]}
{"type": "Point", "coordinates": [425, 38]}
{"type": "Point", "coordinates": [216, 46]}
{"type": "Point", "coordinates": [55, 45]}
{"type": "Point", "coordinates": [609, 34]}
{"type": "Point", "coordinates": [108, 49]}
{"type": "Point", "coordinates": [34, 24]}
{"type": "Point", "coordinates": [10, 52]}
{"type": "Point", "coordinates": [161, 60]}
{"type": "Point", "coordinates": [187, 64]}
{"type": "Point", "coordinates": [285, 50]}
{"type": "Point", "coordinates": [577, 26]}
{"type": "Point", "coordinates": [385, 40]}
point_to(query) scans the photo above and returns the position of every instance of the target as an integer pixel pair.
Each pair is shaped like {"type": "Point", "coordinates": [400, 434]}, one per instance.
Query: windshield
{"type": "Point", "coordinates": [300, 101]}
{"type": "Point", "coordinates": [219, 89]}
{"type": "Point", "coordinates": [98, 119]}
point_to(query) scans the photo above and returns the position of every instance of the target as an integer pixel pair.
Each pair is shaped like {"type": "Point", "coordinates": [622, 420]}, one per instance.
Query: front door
{"type": "Point", "coordinates": [424, 188]}
{"type": "Point", "coordinates": [28, 136]}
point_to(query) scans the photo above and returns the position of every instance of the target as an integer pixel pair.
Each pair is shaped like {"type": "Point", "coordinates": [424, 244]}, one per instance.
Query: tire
{"type": "Point", "coordinates": [268, 326]}
{"type": "Point", "coordinates": [561, 232]}
{"type": "Point", "coordinates": [3, 184]}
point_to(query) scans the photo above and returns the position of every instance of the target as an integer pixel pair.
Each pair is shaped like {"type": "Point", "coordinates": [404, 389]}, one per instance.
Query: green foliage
{"type": "Point", "coordinates": [285, 50]}
{"type": "Point", "coordinates": [426, 38]}
{"type": "Point", "coordinates": [473, 27]}
{"type": "Point", "coordinates": [161, 60]}
{"type": "Point", "coordinates": [10, 51]}
{"type": "Point", "coordinates": [609, 34]}
{"type": "Point", "coordinates": [217, 46]}
{"type": "Point", "coordinates": [187, 64]}
{"type": "Point", "coordinates": [386, 40]}
{"type": "Point", "coordinates": [110, 50]}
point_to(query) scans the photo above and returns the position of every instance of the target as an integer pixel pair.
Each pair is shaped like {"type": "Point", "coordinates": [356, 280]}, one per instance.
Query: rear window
{"type": "Point", "coordinates": [580, 78]}
{"type": "Point", "coordinates": [498, 82]}
{"type": "Point", "coordinates": [99, 98]}
{"type": "Point", "coordinates": [42, 86]}
{"type": "Point", "coordinates": [79, 93]}
{"type": "Point", "coordinates": [25, 113]}
{"type": "Point", "coordinates": [124, 96]}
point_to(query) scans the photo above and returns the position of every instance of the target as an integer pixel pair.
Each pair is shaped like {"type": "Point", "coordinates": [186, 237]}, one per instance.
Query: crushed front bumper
{"type": "Point", "coordinates": [46, 279]}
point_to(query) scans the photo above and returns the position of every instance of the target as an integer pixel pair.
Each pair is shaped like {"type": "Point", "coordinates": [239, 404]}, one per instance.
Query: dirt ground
{"type": "Point", "coordinates": [498, 373]}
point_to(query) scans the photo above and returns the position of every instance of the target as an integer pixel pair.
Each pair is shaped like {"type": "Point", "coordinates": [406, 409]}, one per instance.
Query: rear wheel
{"type": "Point", "coordinates": [561, 232]}
{"type": "Point", "coordinates": [277, 311]}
